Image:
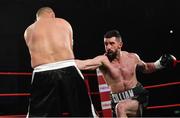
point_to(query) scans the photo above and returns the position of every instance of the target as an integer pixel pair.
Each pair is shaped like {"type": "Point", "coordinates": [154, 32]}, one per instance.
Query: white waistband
{"type": "Point", "coordinates": [55, 65]}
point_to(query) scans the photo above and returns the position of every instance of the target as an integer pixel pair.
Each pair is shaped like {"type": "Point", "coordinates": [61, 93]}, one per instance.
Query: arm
{"type": "Point", "coordinates": [88, 64]}
{"type": "Point", "coordinates": [92, 64]}
{"type": "Point", "coordinates": [145, 67]}
{"type": "Point", "coordinates": [164, 61]}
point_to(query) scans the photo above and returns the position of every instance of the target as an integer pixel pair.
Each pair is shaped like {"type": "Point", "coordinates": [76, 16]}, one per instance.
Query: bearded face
{"type": "Point", "coordinates": [111, 54]}
{"type": "Point", "coordinates": [112, 47]}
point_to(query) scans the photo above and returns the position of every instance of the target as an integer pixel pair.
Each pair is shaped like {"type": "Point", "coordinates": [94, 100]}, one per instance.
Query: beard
{"type": "Point", "coordinates": [111, 55]}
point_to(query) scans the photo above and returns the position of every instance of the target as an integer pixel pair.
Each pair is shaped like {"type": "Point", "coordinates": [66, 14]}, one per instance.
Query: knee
{"type": "Point", "coordinates": [121, 108]}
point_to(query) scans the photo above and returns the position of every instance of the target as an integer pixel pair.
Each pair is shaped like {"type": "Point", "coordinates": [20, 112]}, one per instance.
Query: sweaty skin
{"type": "Point", "coordinates": [46, 38]}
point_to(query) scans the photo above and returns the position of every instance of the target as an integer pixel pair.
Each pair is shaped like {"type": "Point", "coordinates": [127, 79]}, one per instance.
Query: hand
{"type": "Point", "coordinates": [166, 60]}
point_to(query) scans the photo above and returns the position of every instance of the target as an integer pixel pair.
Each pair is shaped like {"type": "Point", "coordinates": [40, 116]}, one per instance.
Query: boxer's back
{"type": "Point", "coordinates": [49, 40]}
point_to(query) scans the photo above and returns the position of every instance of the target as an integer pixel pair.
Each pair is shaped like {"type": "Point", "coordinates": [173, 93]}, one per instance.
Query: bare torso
{"type": "Point", "coordinates": [125, 71]}
{"type": "Point", "coordinates": [49, 40]}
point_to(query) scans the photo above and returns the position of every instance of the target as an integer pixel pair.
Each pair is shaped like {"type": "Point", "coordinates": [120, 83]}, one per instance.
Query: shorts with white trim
{"type": "Point", "coordinates": [57, 90]}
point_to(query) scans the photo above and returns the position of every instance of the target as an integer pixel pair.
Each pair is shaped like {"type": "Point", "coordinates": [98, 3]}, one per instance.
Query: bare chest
{"type": "Point", "coordinates": [126, 69]}
{"type": "Point", "coordinates": [122, 70]}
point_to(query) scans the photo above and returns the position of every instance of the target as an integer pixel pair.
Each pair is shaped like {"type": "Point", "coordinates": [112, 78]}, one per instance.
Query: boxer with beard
{"type": "Point", "coordinates": [119, 67]}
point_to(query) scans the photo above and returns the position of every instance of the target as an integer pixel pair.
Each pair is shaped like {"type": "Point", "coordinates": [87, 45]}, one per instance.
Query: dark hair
{"type": "Point", "coordinates": [113, 33]}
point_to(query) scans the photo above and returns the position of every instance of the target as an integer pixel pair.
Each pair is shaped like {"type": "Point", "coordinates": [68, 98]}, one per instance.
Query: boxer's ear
{"type": "Point", "coordinates": [120, 45]}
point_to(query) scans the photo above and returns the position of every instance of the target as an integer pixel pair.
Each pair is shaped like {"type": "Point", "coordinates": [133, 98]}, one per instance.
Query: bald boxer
{"type": "Point", "coordinates": [57, 86]}
{"type": "Point", "coordinates": [119, 70]}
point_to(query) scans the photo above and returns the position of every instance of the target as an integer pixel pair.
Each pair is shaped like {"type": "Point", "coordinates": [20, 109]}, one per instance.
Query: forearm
{"type": "Point", "coordinates": [88, 64]}
{"type": "Point", "coordinates": [150, 67]}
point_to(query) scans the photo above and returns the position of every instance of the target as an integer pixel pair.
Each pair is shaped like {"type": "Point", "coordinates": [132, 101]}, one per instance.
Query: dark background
{"type": "Point", "coordinates": [144, 25]}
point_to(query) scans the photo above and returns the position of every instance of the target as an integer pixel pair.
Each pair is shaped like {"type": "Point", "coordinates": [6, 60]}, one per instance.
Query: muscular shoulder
{"type": "Point", "coordinates": [132, 55]}
{"type": "Point", "coordinates": [30, 27]}
{"type": "Point", "coordinates": [65, 23]}
{"type": "Point", "coordinates": [140, 63]}
{"type": "Point", "coordinates": [27, 32]}
{"type": "Point", "coordinates": [61, 20]}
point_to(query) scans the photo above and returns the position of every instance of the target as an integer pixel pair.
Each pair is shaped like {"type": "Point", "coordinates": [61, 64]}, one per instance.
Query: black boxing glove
{"type": "Point", "coordinates": [166, 60]}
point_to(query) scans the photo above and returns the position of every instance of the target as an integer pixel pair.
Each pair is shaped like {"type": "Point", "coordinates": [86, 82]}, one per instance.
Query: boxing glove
{"type": "Point", "coordinates": [166, 60]}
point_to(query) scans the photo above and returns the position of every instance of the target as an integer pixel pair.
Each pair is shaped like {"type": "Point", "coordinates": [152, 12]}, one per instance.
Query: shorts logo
{"type": "Point", "coordinates": [123, 95]}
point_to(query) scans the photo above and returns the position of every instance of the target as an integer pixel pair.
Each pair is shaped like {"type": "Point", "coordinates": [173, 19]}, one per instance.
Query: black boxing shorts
{"type": "Point", "coordinates": [58, 90]}
{"type": "Point", "coordinates": [138, 93]}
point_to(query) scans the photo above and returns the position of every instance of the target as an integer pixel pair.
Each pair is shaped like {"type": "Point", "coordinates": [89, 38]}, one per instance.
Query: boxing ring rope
{"type": "Point", "coordinates": [14, 94]}
{"type": "Point", "coordinates": [162, 85]}
{"type": "Point", "coordinates": [15, 73]}
{"type": "Point", "coordinates": [177, 61]}
{"type": "Point", "coordinates": [163, 106]}
{"type": "Point", "coordinates": [85, 75]}
{"type": "Point", "coordinates": [147, 87]}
